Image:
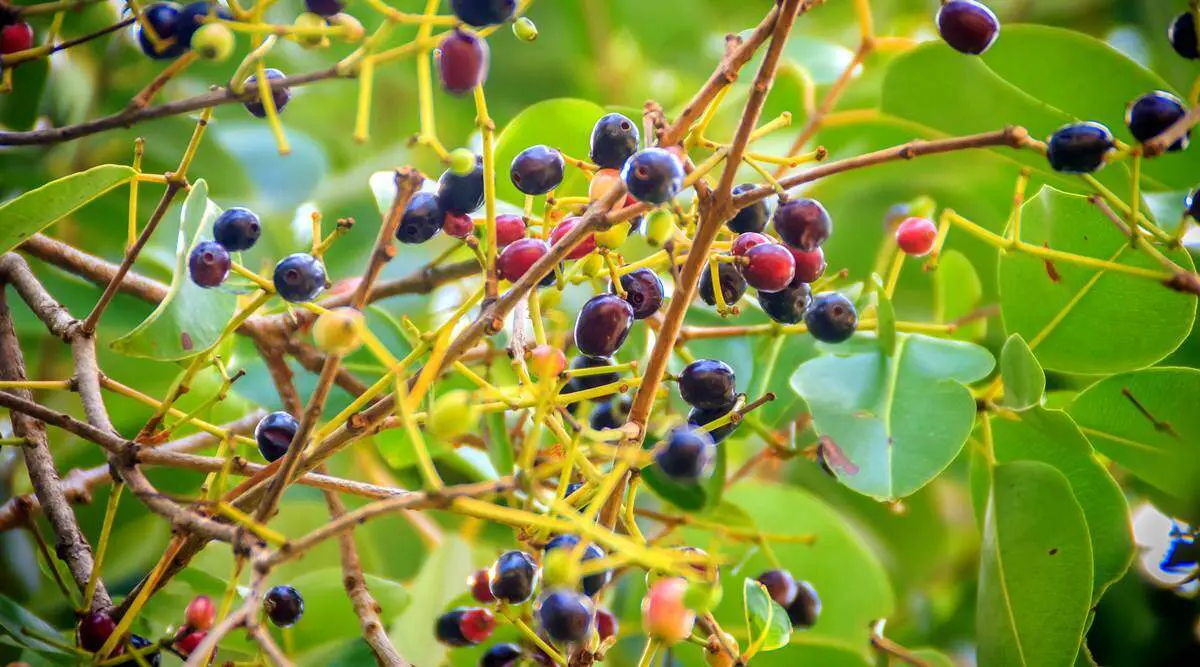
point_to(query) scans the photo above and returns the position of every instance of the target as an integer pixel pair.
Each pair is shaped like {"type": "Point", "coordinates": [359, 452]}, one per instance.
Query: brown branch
{"type": "Point", "coordinates": [91, 267]}
{"type": "Point", "coordinates": [1159, 145]}
{"type": "Point", "coordinates": [312, 360]}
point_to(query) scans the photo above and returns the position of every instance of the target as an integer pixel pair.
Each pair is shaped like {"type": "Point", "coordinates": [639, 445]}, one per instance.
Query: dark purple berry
{"type": "Point", "coordinates": [512, 577]}
{"type": "Point", "coordinates": [1182, 34]}
{"type": "Point", "coordinates": [237, 229]}
{"type": "Point", "coordinates": [566, 616]}
{"type": "Point", "coordinates": [462, 195]}
{"type": "Point", "coordinates": [585, 382]}
{"type": "Point", "coordinates": [610, 414]}
{"type": "Point", "coordinates": [592, 583]}
{"type": "Point", "coordinates": [464, 626]}
{"type": "Point", "coordinates": [781, 586]}
{"type": "Point", "coordinates": [686, 455]}
{"type": "Point", "coordinates": [806, 608]}
{"type": "Point", "coordinates": [462, 60]}
{"type": "Point", "coordinates": [137, 642]}
{"type": "Point", "coordinates": [831, 318]}
{"type": "Point", "coordinates": [325, 8]}
{"type": "Point", "coordinates": [1193, 204]}
{"type": "Point", "coordinates": [753, 218]}
{"type": "Point", "coordinates": [709, 384]}
{"type": "Point", "coordinates": [602, 325]}
{"type": "Point", "coordinates": [423, 219]}
{"type": "Point", "coordinates": [192, 16]}
{"type": "Point", "coordinates": [614, 140]}
{"type": "Point", "coordinates": [653, 176]}
{"type": "Point", "coordinates": [699, 417]}
{"type": "Point", "coordinates": [733, 285]}
{"type": "Point", "coordinates": [95, 629]}
{"type": "Point", "coordinates": [968, 26]}
{"type": "Point", "coordinates": [803, 224]}
{"type": "Point", "coordinates": [163, 18]}
{"type": "Point", "coordinates": [208, 264]}
{"type": "Point", "coordinates": [299, 277]}
{"type": "Point", "coordinates": [501, 655]}
{"type": "Point", "coordinates": [1151, 115]}
{"type": "Point", "coordinates": [274, 435]}
{"type": "Point", "coordinates": [786, 306]}
{"type": "Point", "coordinates": [643, 291]}
{"type": "Point", "coordinates": [537, 170]}
{"type": "Point", "coordinates": [1080, 148]}
{"type": "Point", "coordinates": [279, 94]}
{"type": "Point", "coordinates": [284, 606]}
{"type": "Point", "coordinates": [480, 13]}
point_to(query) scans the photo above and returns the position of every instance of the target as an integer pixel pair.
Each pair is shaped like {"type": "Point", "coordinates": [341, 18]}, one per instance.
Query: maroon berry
{"type": "Point", "coordinates": [585, 246]}
{"type": "Point", "coordinates": [602, 325]}
{"type": "Point", "coordinates": [16, 37]}
{"type": "Point", "coordinates": [916, 236]}
{"type": "Point", "coordinates": [509, 229]}
{"type": "Point", "coordinates": [516, 259]}
{"type": "Point", "coordinates": [208, 264]}
{"type": "Point", "coordinates": [769, 267]}
{"type": "Point", "coordinates": [803, 224]}
{"type": "Point", "coordinates": [462, 62]}
{"type": "Point", "coordinates": [480, 590]}
{"type": "Point", "coordinates": [968, 26]}
{"type": "Point", "coordinates": [810, 265]}
{"type": "Point", "coordinates": [744, 242]}
{"type": "Point", "coordinates": [190, 642]}
{"type": "Point", "coordinates": [781, 586]}
{"type": "Point", "coordinates": [458, 226]}
{"type": "Point", "coordinates": [201, 613]}
{"type": "Point", "coordinates": [643, 291]}
{"type": "Point", "coordinates": [606, 624]}
{"type": "Point", "coordinates": [477, 625]}
{"type": "Point", "coordinates": [95, 629]}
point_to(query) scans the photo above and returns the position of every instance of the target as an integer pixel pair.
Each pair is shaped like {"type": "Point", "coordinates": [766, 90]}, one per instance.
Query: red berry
{"type": "Point", "coordinates": [201, 613]}
{"type": "Point", "coordinates": [458, 226]}
{"type": "Point", "coordinates": [189, 642]}
{"type": "Point", "coordinates": [16, 37]}
{"type": "Point", "coordinates": [916, 236]}
{"type": "Point", "coordinates": [769, 267]}
{"type": "Point", "coordinates": [606, 624]}
{"type": "Point", "coordinates": [509, 229]}
{"type": "Point", "coordinates": [586, 246]}
{"type": "Point", "coordinates": [477, 625]}
{"type": "Point", "coordinates": [803, 223]}
{"type": "Point", "coordinates": [810, 265]}
{"type": "Point", "coordinates": [664, 615]}
{"type": "Point", "coordinates": [480, 590]}
{"type": "Point", "coordinates": [95, 629]}
{"type": "Point", "coordinates": [744, 242]}
{"type": "Point", "coordinates": [547, 361]}
{"type": "Point", "coordinates": [462, 62]}
{"type": "Point", "coordinates": [518, 257]}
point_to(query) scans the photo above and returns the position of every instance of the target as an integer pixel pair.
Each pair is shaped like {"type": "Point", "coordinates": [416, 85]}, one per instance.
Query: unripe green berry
{"type": "Point", "coordinates": [593, 266]}
{"type": "Point", "coordinates": [354, 28]}
{"type": "Point", "coordinates": [661, 226]}
{"type": "Point", "coordinates": [454, 413]}
{"type": "Point", "coordinates": [337, 331]}
{"type": "Point", "coordinates": [310, 21]}
{"type": "Point", "coordinates": [703, 596]}
{"type": "Point", "coordinates": [461, 161]}
{"type": "Point", "coordinates": [560, 569]}
{"type": "Point", "coordinates": [213, 41]}
{"type": "Point", "coordinates": [525, 29]}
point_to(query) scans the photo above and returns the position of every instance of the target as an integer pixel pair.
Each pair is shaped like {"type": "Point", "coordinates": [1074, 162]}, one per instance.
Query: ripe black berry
{"type": "Point", "coordinates": [324, 8]}
{"type": "Point", "coordinates": [786, 306]}
{"type": "Point", "coordinates": [480, 13]}
{"type": "Point", "coordinates": [614, 140]}
{"type": "Point", "coordinates": [769, 267]}
{"type": "Point", "coordinates": [284, 606]}
{"type": "Point", "coordinates": [803, 224]}
{"type": "Point", "coordinates": [968, 26]}
{"type": "Point", "coordinates": [584, 382]}
{"type": "Point", "coordinates": [137, 642]}
{"type": "Point", "coordinates": [590, 584]}
{"type": "Point", "coordinates": [686, 455]}
{"type": "Point", "coordinates": [422, 220]}
{"type": "Point", "coordinates": [708, 384]}
{"type": "Point", "coordinates": [1182, 34]}
{"type": "Point", "coordinates": [237, 229]}
{"type": "Point", "coordinates": [462, 195]}
{"type": "Point", "coordinates": [537, 170]}
{"type": "Point", "coordinates": [781, 586]}
{"type": "Point", "coordinates": [516, 258]}
{"type": "Point", "coordinates": [95, 629]}
{"type": "Point", "coordinates": [653, 176]}
{"type": "Point", "coordinates": [806, 607]}
{"type": "Point", "coordinates": [699, 417]}
{"type": "Point", "coordinates": [1079, 148]}
{"type": "Point", "coordinates": [753, 218]}
{"type": "Point", "coordinates": [192, 16]}
{"type": "Point", "coordinates": [163, 17]}
{"type": "Point", "coordinates": [501, 655]}
{"type": "Point", "coordinates": [602, 325]}
{"type": "Point", "coordinates": [299, 277]}
{"type": "Point", "coordinates": [733, 285]}
{"type": "Point", "coordinates": [208, 264]}
{"type": "Point", "coordinates": [831, 318]}
{"type": "Point", "coordinates": [274, 434]}
{"type": "Point", "coordinates": [1151, 114]}
{"type": "Point", "coordinates": [610, 414]}
{"type": "Point", "coordinates": [566, 616]}
{"type": "Point", "coordinates": [512, 577]}
{"type": "Point", "coordinates": [643, 291]}
{"type": "Point", "coordinates": [279, 94]}
{"type": "Point", "coordinates": [462, 62]}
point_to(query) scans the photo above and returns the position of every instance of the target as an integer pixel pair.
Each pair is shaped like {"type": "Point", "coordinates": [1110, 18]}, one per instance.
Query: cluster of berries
{"type": "Point", "coordinates": [180, 28]}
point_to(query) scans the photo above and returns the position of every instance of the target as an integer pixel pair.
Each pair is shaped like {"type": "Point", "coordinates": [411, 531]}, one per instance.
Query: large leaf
{"type": "Point", "coordinates": [1080, 320]}
{"type": "Point", "coordinates": [958, 293]}
{"type": "Point", "coordinates": [440, 581]}
{"type": "Point", "coordinates": [1049, 436]}
{"type": "Point", "coordinates": [1147, 422]}
{"type": "Point", "coordinates": [191, 318]}
{"type": "Point", "coordinates": [900, 419]}
{"type": "Point", "coordinates": [41, 207]}
{"type": "Point", "coordinates": [328, 613]}
{"type": "Point", "coordinates": [1024, 379]}
{"type": "Point", "coordinates": [766, 621]}
{"type": "Point", "coordinates": [26, 629]}
{"type": "Point", "coordinates": [1035, 574]}
{"type": "Point", "coordinates": [565, 124]}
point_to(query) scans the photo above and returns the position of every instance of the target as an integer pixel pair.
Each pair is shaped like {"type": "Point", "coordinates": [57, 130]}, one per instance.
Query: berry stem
{"type": "Point", "coordinates": [487, 129]}
{"type": "Point", "coordinates": [648, 653]}
{"type": "Point", "coordinates": [366, 84]}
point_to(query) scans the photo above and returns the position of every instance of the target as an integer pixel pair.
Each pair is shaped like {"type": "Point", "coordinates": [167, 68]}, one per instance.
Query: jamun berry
{"type": "Point", "coordinates": [517, 257]}
{"type": "Point", "coordinates": [274, 435]}
{"type": "Point", "coordinates": [200, 613]}
{"type": "Point", "coordinates": [280, 95]}
{"type": "Point", "coordinates": [480, 13]}
{"type": "Point", "coordinates": [803, 224]}
{"type": "Point", "coordinates": [208, 264]}
{"type": "Point", "coordinates": [806, 607]}
{"type": "Point", "coordinates": [787, 306]}
{"type": "Point", "coordinates": [95, 629]}
{"type": "Point", "coordinates": [465, 626]}
{"type": "Point", "coordinates": [1192, 204]}
{"type": "Point", "coordinates": [733, 285]}
{"type": "Point", "coordinates": [139, 643]}
{"type": "Point", "coordinates": [747, 240]}
{"type": "Point", "coordinates": [769, 267]}
{"type": "Point", "coordinates": [831, 318]}
{"type": "Point", "coordinates": [602, 183]}
{"type": "Point", "coordinates": [592, 583]}
{"type": "Point", "coordinates": [653, 176]}
{"type": "Point", "coordinates": [563, 228]}
{"type": "Point", "coordinates": [513, 577]}
{"type": "Point", "coordinates": [338, 331]}
{"type": "Point", "coordinates": [968, 26]}
{"type": "Point", "coordinates": [753, 218]}
{"type": "Point", "coordinates": [698, 417]}
{"type": "Point", "coordinates": [709, 384]}
{"type": "Point", "coordinates": [916, 236]}
{"type": "Point", "coordinates": [462, 194]}
{"type": "Point", "coordinates": [537, 170]}
{"type": "Point", "coordinates": [299, 277]}
{"type": "Point", "coordinates": [190, 642]}
{"type": "Point", "coordinates": [566, 616]}
{"type": "Point", "coordinates": [478, 585]}
{"type": "Point", "coordinates": [458, 226]}
{"type": "Point", "coordinates": [325, 8]}
{"type": "Point", "coordinates": [462, 60]}
{"type": "Point", "coordinates": [163, 19]}
{"type": "Point", "coordinates": [686, 455]}
{"type": "Point", "coordinates": [501, 655]}
{"type": "Point", "coordinates": [643, 291]}
{"type": "Point", "coordinates": [284, 606]}
{"type": "Point", "coordinates": [610, 414]}
{"type": "Point", "coordinates": [614, 140]}
{"type": "Point", "coordinates": [665, 616]}
{"type": "Point", "coordinates": [1080, 148]}
{"type": "Point", "coordinates": [781, 586]}
{"type": "Point", "coordinates": [193, 17]}
{"type": "Point", "coordinates": [237, 229]}
{"type": "Point", "coordinates": [606, 624]}
{"type": "Point", "coordinates": [602, 325]}
{"type": "Point", "coordinates": [1182, 34]}
{"type": "Point", "coordinates": [547, 361]}
{"type": "Point", "coordinates": [810, 265]}
{"type": "Point", "coordinates": [16, 36]}
{"type": "Point", "coordinates": [423, 219]}
{"type": "Point", "coordinates": [509, 229]}
{"type": "Point", "coordinates": [1151, 115]}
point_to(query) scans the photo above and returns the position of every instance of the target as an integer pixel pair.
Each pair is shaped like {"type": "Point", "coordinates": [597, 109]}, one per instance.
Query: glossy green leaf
{"type": "Point", "coordinates": [933, 658]}
{"type": "Point", "coordinates": [500, 447]}
{"type": "Point", "coordinates": [27, 629]}
{"type": "Point", "coordinates": [899, 420]}
{"type": "Point", "coordinates": [1051, 437]}
{"type": "Point", "coordinates": [1035, 574]}
{"type": "Point", "coordinates": [1147, 423]}
{"type": "Point", "coordinates": [39, 208]}
{"type": "Point", "coordinates": [807, 649]}
{"type": "Point", "coordinates": [957, 292]}
{"type": "Point", "coordinates": [689, 497]}
{"type": "Point", "coordinates": [1024, 379]}
{"type": "Point", "coordinates": [1066, 312]}
{"type": "Point", "coordinates": [440, 581]}
{"type": "Point", "coordinates": [766, 621]}
{"type": "Point", "coordinates": [565, 124]}
{"type": "Point", "coordinates": [191, 318]}
{"type": "Point", "coordinates": [328, 613]}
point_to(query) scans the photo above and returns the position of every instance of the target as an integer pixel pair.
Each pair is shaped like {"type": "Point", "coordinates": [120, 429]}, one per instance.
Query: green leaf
{"type": "Point", "coordinates": [19, 107]}
{"type": "Point", "coordinates": [1035, 574]}
{"type": "Point", "coordinates": [1024, 379]}
{"type": "Point", "coordinates": [440, 581]}
{"type": "Point", "coordinates": [191, 318]}
{"type": "Point", "coordinates": [1051, 437]}
{"type": "Point", "coordinates": [1066, 312]}
{"type": "Point", "coordinates": [41, 207]}
{"type": "Point", "coordinates": [957, 293]}
{"type": "Point", "coordinates": [1147, 423]}
{"type": "Point", "coordinates": [565, 124]}
{"type": "Point", "coordinates": [328, 614]}
{"type": "Point", "coordinates": [766, 621]}
{"type": "Point", "coordinates": [899, 420]}
{"type": "Point", "coordinates": [688, 497]}
{"type": "Point", "coordinates": [24, 627]}
{"type": "Point", "coordinates": [933, 658]}
{"type": "Point", "coordinates": [500, 448]}
{"type": "Point", "coordinates": [886, 331]}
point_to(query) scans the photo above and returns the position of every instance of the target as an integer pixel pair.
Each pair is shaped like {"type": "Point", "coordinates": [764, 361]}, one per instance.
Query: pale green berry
{"type": "Point", "coordinates": [660, 227]}
{"type": "Point", "coordinates": [454, 413]}
{"type": "Point", "coordinates": [461, 161]}
{"type": "Point", "coordinates": [525, 29]}
{"type": "Point", "coordinates": [310, 21]}
{"type": "Point", "coordinates": [213, 41]}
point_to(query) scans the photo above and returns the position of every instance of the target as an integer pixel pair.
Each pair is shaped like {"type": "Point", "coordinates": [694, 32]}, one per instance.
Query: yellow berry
{"type": "Point", "coordinates": [337, 331]}
{"type": "Point", "coordinates": [660, 227]}
{"type": "Point", "coordinates": [213, 41]}
{"type": "Point", "coordinates": [613, 237]}
{"type": "Point", "coordinates": [310, 21]}
{"type": "Point", "coordinates": [593, 266]}
{"type": "Point", "coordinates": [525, 29]}
{"type": "Point", "coordinates": [547, 361]}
